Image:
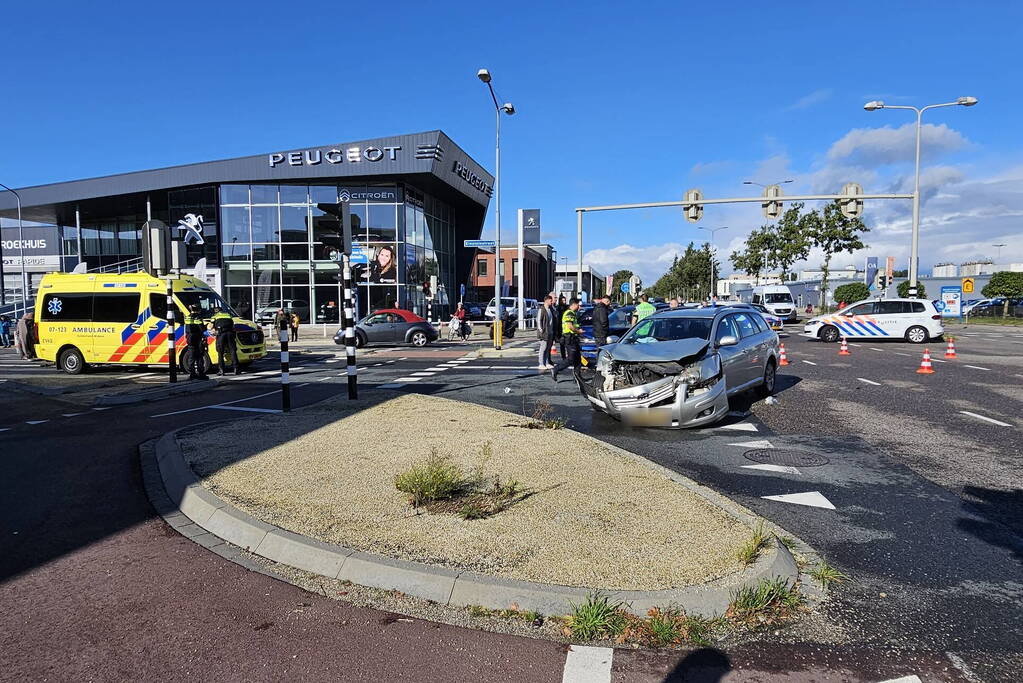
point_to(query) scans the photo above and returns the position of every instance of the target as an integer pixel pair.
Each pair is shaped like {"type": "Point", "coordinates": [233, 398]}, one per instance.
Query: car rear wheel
{"type": "Point", "coordinates": [419, 338]}
{"type": "Point", "coordinates": [916, 334]}
{"type": "Point", "coordinates": [829, 334]}
{"type": "Point", "coordinates": [72, 361]}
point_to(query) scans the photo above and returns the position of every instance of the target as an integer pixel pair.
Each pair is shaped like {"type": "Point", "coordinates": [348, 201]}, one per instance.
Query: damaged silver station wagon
{"type": "Point", "coordinates": [677, 368]}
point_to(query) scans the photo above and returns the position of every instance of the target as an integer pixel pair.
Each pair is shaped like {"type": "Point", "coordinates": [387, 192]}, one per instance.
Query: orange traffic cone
{"type": "Point", "coordinates": [950, 352]}
{"type": "Point", "coordinates": [844, 351]}
{"type": "Point", "coordinates": [925, 364]}
{"type": "Point", "coordinates": [784, 360]}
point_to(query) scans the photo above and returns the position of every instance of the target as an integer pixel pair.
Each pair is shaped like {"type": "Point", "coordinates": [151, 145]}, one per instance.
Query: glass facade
{"type": "Point", "coordinates": [277, 246]}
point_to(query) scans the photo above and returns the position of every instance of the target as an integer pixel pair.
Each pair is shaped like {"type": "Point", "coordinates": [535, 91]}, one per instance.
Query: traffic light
{"type": "Point", "coordinates": [426, 289]}
{"type": "Point", "coordinates": [342, 212]}
{"type": "Point", "coordinates": [693, 212]}
{"type": "Point", "coordinates": [772, 209]}
{"type": "Point", "coordinates": [852, 208]}
{"type": "Point", "coordinates": [882, 281]}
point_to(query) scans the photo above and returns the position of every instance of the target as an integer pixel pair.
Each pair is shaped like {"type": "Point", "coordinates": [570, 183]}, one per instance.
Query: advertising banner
{"type": "Point", "coordinates": [951, 301]}
{"type": "Point", "coordinates": [40, 245]}
{"type": "Point", "coordinates": [870, 273]}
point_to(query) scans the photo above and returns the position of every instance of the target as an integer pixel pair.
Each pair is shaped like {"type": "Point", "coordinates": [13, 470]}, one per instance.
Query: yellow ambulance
{"type": "Point", "coordinates": [84, 319]}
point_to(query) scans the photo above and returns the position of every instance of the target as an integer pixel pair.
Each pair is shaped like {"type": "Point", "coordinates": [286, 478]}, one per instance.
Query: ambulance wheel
{"type": "Point", "coordinates": [72, 361]}
{"type": "Point", "coordinates": [829, 334]}
{"type": "Point", "coordinates": [185, 362]}
{"type": "Point", "coordinates": [916, 334]}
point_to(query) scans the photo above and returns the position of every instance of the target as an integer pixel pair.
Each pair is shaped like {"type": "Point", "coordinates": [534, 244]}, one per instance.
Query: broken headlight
{"type": "Point", "coordinates": [703, 372]}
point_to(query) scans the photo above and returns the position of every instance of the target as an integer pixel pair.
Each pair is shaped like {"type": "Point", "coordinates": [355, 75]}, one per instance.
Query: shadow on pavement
{"type": "Point", "coordinates": [1002, 513]}
{"type": "Point", "coordinates": [706, 665]}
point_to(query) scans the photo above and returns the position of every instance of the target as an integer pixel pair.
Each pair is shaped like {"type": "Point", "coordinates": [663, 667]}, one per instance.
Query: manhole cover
{"type": "Point", "coordinates": [786, 456]}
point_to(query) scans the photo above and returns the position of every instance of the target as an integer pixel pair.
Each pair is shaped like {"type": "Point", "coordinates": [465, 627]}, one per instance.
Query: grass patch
{"type": "Point", "coordinates": [597, 617]}
{"type": "Point", "coordinates": [788, 542]}
{"type": "Point", "coordinates": [753, 546]}
{"type": "Point", "coordinates": [995, 320]}
{"type": "Point", "coordinates": [541, 417]}
{"type": "Point", "coordinates": [436, 478]}
{"type": "Point", "coordinates": [513, 612]}
{"type": "Point", "coordinates": [770, 601]}
{"type": "Point", "coordinates": [827, 575]}
{"type": "Point", "coordinates": [672, 626]}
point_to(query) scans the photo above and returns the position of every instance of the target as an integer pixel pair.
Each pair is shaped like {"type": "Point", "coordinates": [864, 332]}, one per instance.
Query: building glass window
{"type": "Point", "coordinates": [234, 194]}
{"type": "Point", "coordinates": [294, 194]}
{"type": "Point", "coordinates": [235, 220]}
{"type": "Point", "coordinates": [294, 224]}
{"type": "Point", "coordinates": [481, 267]}
{"type": "Point", "coordinates": [325, 194]}
{"type": "Point", "coordinates": [263, 194]}
{"type": "Point", "coordinates": [265, 226]}
{"type": "Point", "coordinates": [381, 223]}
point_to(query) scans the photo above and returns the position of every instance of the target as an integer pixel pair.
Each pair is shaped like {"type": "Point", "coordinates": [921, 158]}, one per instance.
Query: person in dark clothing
{"type": "Point", "coordinates": [195, 337]}
{"type": "Point", "coordinates": [570, 332]}
{"type": "Point", "coordinates": [560, 308]}
{"type": "Point", "coordinates": [601, 322]}
{"type": "Point", "coordinates": [546, 322]}
{"type": "Point", "coordinates": [227, 340]}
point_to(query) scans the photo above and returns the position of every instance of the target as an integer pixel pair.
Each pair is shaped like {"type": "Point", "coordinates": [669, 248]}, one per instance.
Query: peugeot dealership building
{"type": "Point", "coordinates": [256, 221]}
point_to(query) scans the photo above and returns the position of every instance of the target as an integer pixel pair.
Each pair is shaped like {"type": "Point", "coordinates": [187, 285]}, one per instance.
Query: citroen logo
{"type": "Point", "coordinates": [345, 196]}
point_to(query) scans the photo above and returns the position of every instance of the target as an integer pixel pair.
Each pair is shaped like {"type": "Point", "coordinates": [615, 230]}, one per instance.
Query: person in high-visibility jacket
{"type": "Point", "coordinates": [227, 340]}
{"type": "Point", "coordinates": [570, 332]}
{"type": "Point", "coordinates": [195, 337]}
{"type": "Point", "coordinates": [643, 309]}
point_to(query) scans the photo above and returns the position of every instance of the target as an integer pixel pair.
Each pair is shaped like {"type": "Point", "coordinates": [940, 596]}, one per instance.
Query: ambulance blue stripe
{"type": "Point", "coordinates": [120, 284]}
{"type": "Point", "coordinates": [155, 332]}
{"type": "Point", "coordinates": [128, 331]}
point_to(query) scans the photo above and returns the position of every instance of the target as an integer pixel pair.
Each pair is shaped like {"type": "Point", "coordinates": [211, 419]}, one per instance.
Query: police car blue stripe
{"type": "Point", "coordinates": [860, 327]}
{"type": "Point", "coordinates": [879, 329]}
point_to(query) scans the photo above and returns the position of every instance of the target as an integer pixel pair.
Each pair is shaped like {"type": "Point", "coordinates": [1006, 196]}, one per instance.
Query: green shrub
{"type": "Point", "coordinates": [903, 290]}
{"type": "Point", "coordinates": [436, 478]}
{"type": "Point", "coordinates": [751, 549]}
{"type": "Point", "coordinates": [768, 601]}
{"type": "Point", "coordinates": [852, 292]}
{"type": "Point", "coordinates": [597, 617]}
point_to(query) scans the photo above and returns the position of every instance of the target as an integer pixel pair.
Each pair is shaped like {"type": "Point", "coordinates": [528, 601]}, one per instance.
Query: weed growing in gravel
{"type": "Point", "coordinates": [788, 542]}
{"type": "Point", "coordinates": [827, 575]}
{"type": "Point", "coordinates": [473, 510]}
{"type": "Point", "coordinates": [596, 617]}
{"type": "Point", "coordinates": [751, 549]}
{"type": "Point", "coordinates": [770, 601]}
{"type": "Point", "coordinates": [541, 418]}
{"type": "Point", "coordinates": [436, 478]}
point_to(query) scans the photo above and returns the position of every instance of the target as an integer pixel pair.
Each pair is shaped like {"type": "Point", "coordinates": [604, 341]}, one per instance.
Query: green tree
{"type": "Point", "coordinates": [903, 290]}
{"type": "Point", "coordinates": [751, 260]}
{"type": "Point", "coordinates": [833, 233]}
{"type": "Point", "coordinates": [788, 241]}
{"type": "Point", "coordinates": [617, 279]}
{"type": "Point", "coordinates": [1004, 283]}
{"type": "Point", "coordinates": [852, 292]}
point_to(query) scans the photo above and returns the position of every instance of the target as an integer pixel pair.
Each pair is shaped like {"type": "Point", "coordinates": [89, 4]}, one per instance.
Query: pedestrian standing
{"type": "Point", "coordinates": [643, 308]}
{"type": "Point", "coordinates": [5, 332]}
{"type": "Point", "coordinates": [195, 337]}
{"type": "Point", "coordinates": [545, 324]}
{"type": "Point", "coordinates": [294, 326]}
{"type": "Point", "coordinates": [570, 332]}
{"type": "Point", "coordinates": [560, 310]}
{"type": "Point", "coordinates": [23, 336]}
{"type": "Point", "coordinates": [227, 340]}
{"type": "Point", "coordinates": [282, 321]}
{"type": "Point", "coordinates": [601, 320]}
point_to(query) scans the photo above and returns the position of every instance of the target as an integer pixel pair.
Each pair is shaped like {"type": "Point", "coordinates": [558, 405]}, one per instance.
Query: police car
{"type": "Point", "coordinates": [914, 320]}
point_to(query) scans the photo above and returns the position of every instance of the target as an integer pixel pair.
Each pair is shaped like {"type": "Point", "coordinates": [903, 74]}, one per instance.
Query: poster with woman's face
{"type": "Point", "coordinates": [383, 265]}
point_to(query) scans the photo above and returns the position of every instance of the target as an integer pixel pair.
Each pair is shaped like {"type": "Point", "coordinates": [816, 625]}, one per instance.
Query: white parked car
{"type": "Point", "coordinates": [508, 303]}
{"type": "Point", "coordinates": [914, 320]}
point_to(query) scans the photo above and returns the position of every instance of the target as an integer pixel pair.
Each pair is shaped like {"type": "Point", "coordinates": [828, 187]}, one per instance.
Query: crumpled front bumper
{"type": "Point", "coordinates": [667, 402]}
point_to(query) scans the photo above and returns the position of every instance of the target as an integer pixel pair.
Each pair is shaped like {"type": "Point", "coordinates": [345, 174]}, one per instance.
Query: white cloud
{"type": "Point", "coordinates": [816, 97]}
{"type": "Point", "coordinates": [649, 262]}
{"type": "Point", "coordinates": [887, 145]}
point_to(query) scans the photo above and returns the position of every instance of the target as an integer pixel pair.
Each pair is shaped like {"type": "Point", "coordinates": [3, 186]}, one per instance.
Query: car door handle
{"type": "Point", "coordinates": [135, 326]}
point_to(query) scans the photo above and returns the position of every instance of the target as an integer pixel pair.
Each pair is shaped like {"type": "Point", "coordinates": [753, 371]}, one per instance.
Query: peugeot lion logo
{"type": "Point", "coordinates": [345, 196]}
{"type": "Point", "coordinates": [192, 227]}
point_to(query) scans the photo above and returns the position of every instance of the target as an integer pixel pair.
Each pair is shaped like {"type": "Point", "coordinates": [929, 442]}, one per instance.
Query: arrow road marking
{"type": "Point", "coordinates": [739, 427]}
{"type": "Point", "coordinates": [812, 499]}
{"type": "Point", "coordinates": [754, 444]}
{"type": "Point", "coordinates": [772, 468]}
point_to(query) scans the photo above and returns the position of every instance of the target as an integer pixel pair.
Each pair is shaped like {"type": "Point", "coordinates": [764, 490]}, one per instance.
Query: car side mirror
{"type": "Point", "coordinates": [728, 340]}
{"type": "Point", "coordinates": [613, 339]}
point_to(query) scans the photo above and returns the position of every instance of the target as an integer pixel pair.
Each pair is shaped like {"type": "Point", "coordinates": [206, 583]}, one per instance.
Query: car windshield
{"type": "Point", "coordinates": [620, 317]}
{"type": "Point", "coordinates": [668, 329]}
{"type": "Point", "coordinates": [206, 300]}
{"type": "Point", "coordinates": [781, 298]}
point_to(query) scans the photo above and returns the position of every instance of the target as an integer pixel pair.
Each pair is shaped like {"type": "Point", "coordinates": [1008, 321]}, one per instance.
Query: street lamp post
{"type": "Point", "coordinates": [874, 106]}
{"type": "Point", "coordinates": [21, 250]}
{"type": "Point", "coordinates": [508, 109]}
{"type": "Point", "coordinates": [999, 257]}
{"type": "Point", "coordinates": [713, 274]}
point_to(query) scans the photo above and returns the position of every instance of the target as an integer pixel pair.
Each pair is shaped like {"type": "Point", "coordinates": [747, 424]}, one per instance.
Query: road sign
{"type": "Point", "coordinates": [951, 301]}
{"type": "Point", "coordinates": [625, 288]}
{"type": "Point", "coordinates": [967, 285]}
{"type": "Point", "coordinates": [461, 290]}
{"type": "Point", "coordinates": [479, 244]}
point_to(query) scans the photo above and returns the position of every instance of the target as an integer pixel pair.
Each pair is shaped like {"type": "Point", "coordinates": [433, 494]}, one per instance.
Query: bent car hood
{"type": "Point", "coordinates": [658, 352]}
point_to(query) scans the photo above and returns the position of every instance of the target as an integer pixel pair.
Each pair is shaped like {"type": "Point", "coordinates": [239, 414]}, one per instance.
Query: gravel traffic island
{"type": "Point", "coordinates": [533, 502]}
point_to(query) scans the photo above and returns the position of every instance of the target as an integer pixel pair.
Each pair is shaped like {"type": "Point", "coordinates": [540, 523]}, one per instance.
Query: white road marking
{"type": "Point", "coordinates": [226, 403]}
{"type": "Point", "coordinates": [904, 679]}
{"type": "Point", "coordinates": [391, 385]}
{"type": "Point", "coordinates": [938, 360]}
{"type": "Point", "coordinates": [899, 353]}
{"type": "Point", "coordinates": [772, 468]}
{"type": "Point", "coordinates": [72, 414]}
{"type": "Point", "coordinates": [408, 379]}
{"type": "Point", "coordinates": [5, 429]}
{"type": "Point", "coordinates": [851, 344]}
{"type": "Point", "coordinates": [754, 444]}
{"type": "Point", "coordinates": [976, 367]}
{"type": "Point", "coordinates": [809, 362]}
{"type": "Point", "coordinates": [335, 360]}
{"type": "Point", "coordinates": [35, 422]}
{"type": "Point", "coordinates": [812, 499]}
{"type": "Point", "coordinates": [872, 348]}
{"type": "Point", "coordinates": [868, 381]}
{"type": "Point", "coordinates": [440, 368]}
{"type": "Point", "coordinates": [422, 374]}
{"type": "Point", "coordinates": [584, 664]}
{"type": "Point", "coordinates": [246, 409]}
{"type": "Point", "coordinates": [986, 419]}
{"type": "Point", "coordinates": [97, 409]}
{"type": "Point", "coordinates": [323, 379]}
{"type": "Point", "coordinates": [739, 427]}
{"type": "Point", "coordinates": [958, 663]}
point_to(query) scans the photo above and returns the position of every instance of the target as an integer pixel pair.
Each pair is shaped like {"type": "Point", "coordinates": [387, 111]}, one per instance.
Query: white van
{"type": "Point", "coordinates": [915, 320]}
{"type": "Point", "coordinates": [777, 299]}
{"type": "Point", "coordinates": [508, 303]}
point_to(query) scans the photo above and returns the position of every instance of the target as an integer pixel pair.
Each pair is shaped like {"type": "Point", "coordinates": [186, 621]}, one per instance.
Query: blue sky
{"type": "Point", "coordinates": [616, 103]}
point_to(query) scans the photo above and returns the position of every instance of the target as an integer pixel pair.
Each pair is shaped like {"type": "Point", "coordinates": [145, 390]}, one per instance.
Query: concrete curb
{"type": "Point", "coordinates": [440, 584]}
{"type": "Point", "coordinates": [154, 393]}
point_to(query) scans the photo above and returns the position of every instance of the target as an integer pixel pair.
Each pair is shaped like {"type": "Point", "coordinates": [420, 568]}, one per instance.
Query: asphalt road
{"type": "Point", "coordinates": [107, 591]}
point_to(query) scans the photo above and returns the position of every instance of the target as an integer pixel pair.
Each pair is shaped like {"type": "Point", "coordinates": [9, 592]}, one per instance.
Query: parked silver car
{"type": "Point", "coordinates": [677, 368]}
